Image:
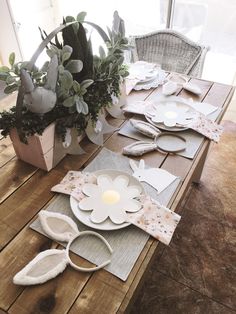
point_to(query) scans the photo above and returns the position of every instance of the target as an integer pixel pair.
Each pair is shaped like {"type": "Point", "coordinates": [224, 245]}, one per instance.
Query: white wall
{"type": "Point", "coordinates": [8, 40]}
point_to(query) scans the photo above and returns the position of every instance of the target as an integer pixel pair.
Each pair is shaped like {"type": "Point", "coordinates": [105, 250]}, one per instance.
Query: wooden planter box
{"type": "Point", "coordinates": [46, 151]}
{"type": "Point", "coordinates": [40, 150]}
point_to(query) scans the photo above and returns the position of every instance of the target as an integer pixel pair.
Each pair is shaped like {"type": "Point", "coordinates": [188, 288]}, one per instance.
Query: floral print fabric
{"type": "Point", "coordinates": [155, 219]}
{"type": "Point", "coordinates": [73, 182]}
{"type": "Point", "coordinates": [206, 127]}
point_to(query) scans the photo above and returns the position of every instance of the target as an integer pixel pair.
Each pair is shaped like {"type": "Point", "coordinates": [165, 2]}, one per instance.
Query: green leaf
{"type": "Point", "coordinates": [81, 16]}
{"type": "Point", "coordinates": [12, 58]}
{"type": "Point", "coordinates": [102, 52]}
{"type": "Point", "coordinates": [74, 66]}
{"type": "Point", "coordinates": [50, 53]}
{"type": "Point", "coordinates": [81, 106]}
{"type": "Point", "coordinates": [10, 88]}
{"type": "Point", "coordinates": [83, 91]}
{"type": "Point", "coordinates": [3, 76]}
{"type": "Point", "coordinates": [66, 56]}
{"type": "Point", "coordinates": [61, 69]}
{"type": "Point", "coordinates": [67, 48]}
{"type": "Point", "coordinates": [69, 102]}
{"type": "Point", "coordinates": [66, 79]}
{"type": "Point", "coordinates": [70, 19]}
{"type": "Point", "coordinates": [55, 50]}
{"type": "Point", "coordinates": [76, 87]}
{"type": "Point", "coordinates": [4, 69]}
{"type": "Point", "coordinates": [10, 79]}
{"type": "Point", "coordinates": [85, 110]}
{"type": "Point", "coordinates": [86, 83]}
{"type": "Point", "coordinates": [109, 32]}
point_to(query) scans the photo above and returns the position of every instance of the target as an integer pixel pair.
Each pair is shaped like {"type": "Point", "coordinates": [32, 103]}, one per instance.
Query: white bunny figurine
{"type": "Point", "coordinates": [158, 178]}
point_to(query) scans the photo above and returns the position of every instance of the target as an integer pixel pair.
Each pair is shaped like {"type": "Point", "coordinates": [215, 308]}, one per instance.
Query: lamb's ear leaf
{"type": "Point", "coordinates": [58, 226]}
{"type": "Point", "coordinates": [141, 164]}
{"type": "Point", "coordinates": [133, 165]}
{"type": "Point", "coordinates": [46, 265]}
{"type": "Point", "coordinates": [26, 81]}
{"type": "Point", "coordinates": [52, 74]}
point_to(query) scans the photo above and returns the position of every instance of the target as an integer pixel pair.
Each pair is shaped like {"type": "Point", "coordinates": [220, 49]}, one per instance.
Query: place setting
{"type": "Point", "coordinates": [115, 210]}
{"type": "Point", "coordinates": [143, 76]}
{"type": "Point", "coordinates": [170, 124]}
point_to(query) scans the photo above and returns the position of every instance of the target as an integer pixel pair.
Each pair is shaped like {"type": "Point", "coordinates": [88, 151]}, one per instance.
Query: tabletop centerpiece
{"type": "Point", "coordinates": [67, 96]}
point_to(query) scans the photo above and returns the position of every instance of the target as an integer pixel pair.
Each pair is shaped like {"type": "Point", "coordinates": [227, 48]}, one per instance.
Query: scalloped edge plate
{"type": "Point", "coordinates": [84, 216]}
{"type": "Point", "coordinates": [170, 99]}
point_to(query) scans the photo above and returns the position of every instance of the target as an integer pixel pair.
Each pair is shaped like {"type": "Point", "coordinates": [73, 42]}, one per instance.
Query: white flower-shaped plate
{"type": "Point", "coordinates": [176, 107]}
{"type": "Point", "coordinates": [85, 216]}
{"type": "Point", "coordinates": [142, 70]}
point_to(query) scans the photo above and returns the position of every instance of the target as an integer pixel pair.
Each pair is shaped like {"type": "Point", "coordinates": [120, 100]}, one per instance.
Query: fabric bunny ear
{"type": "Point", "coordinates": [46, 265]}
{"type": "Point", "coordinates": [133, 165]}
{"type": "Point", "coordinates": [58, 226]}
{"type": "Point", "coordinates": [141, 164]}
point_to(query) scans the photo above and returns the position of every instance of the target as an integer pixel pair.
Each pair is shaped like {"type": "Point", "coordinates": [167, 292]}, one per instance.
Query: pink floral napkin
{"type": "Point", "coordinates": [206, 127]}
{"type": "Point", "coordinates": [72, 184]}
{"type": "Point", "coordinates": [155, 219]}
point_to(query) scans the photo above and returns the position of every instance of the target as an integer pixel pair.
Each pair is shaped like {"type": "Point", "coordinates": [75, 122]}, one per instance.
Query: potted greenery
{"type": "Point", "coordinates": [69, 92]}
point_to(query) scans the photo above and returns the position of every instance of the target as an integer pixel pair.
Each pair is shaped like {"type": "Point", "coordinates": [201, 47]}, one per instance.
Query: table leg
{"type": "Point", "coordinates": [198, 171]}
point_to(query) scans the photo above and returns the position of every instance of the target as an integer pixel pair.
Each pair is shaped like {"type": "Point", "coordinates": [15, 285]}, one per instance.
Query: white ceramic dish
{"type": "Point", "coordinates": [149, 77]}
{"type": "Point", "coordinates": [84, 216]}
{"type": "Point", "coordinates": [180, 102]}
{"type": "Point", "coordinates": [152, 83]}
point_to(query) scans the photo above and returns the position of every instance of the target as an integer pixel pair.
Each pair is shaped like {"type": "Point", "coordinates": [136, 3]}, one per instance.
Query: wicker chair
{"type": "Point", "coordinates": [172, 50]}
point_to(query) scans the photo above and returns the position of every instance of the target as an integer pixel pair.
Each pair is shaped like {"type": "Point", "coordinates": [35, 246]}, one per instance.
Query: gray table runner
{"type": "Point", "coordinates": [127, 243]}
{"type": "Point", "coordinates": [193, 139]}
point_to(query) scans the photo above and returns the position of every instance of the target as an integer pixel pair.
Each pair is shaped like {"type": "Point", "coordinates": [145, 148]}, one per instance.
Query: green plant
{"type": "Point", "coordinates": [85, 83]}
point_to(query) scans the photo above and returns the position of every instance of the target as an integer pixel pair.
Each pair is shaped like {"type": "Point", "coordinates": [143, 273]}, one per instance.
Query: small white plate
{"type": "Point", "coordinates": [84, 216]}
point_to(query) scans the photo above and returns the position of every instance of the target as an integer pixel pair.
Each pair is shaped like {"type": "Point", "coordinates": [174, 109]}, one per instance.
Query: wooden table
{"type": "Point", "coordinates": [24, 190]}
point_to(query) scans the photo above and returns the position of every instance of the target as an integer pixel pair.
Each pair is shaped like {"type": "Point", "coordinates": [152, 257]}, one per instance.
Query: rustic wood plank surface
{"type": "Point", "coordinates": [24, 190]}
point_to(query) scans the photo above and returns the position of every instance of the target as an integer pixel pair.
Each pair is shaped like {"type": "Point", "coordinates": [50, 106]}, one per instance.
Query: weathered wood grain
{"type": "Point", "coordinates": [13, 175]}
{"type": "Point", "coordinates": [6, 151]}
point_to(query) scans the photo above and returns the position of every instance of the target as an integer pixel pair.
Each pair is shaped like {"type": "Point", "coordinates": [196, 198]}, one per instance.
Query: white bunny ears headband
{"type": "Point", "coordinates": [50, 263]}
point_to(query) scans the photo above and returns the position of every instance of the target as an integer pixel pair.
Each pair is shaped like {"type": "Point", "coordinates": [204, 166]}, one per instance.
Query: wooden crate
{"type": "Point", "coordinates": [39, 151]}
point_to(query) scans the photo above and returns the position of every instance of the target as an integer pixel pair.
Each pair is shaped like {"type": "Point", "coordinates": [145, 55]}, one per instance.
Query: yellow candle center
{"type": "Point", "coordinates": [171, 114]}
{"type": "Point", "coordinates": [110, 197]}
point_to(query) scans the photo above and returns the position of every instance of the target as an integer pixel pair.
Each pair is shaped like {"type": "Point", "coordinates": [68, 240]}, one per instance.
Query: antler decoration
{"type": "Point", "coordinates": [50, 263]}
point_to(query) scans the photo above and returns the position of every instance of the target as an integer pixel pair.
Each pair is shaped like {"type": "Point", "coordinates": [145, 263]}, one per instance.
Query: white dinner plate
{"type": "Point", "coordinates": [84, 216]}
{"type": "Point", "coordinates": [179, 102]}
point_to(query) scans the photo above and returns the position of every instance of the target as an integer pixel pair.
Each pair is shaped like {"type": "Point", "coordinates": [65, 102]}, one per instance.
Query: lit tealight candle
{"type": "Point", "coordinates": [110, 197]}
{"type": "Point", "coordinates": [171, 114]}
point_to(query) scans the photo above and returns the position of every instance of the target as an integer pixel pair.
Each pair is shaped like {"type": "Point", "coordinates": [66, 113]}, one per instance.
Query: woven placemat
{"type": "Point", "coordinates": [127, 243]}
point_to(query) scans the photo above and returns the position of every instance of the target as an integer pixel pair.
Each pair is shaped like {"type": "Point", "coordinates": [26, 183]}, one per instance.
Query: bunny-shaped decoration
{"type": "Point", "coordinates": [41, 99]}
{"type": "Point", "coordinates": [50, 263]}
{"type": "Point", "coordinates": [158, 178]}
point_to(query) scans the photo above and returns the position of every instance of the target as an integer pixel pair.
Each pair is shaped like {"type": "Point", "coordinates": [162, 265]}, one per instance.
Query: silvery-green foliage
{"type": "Point", "coordinates": [11, 74]}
